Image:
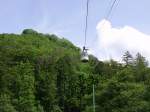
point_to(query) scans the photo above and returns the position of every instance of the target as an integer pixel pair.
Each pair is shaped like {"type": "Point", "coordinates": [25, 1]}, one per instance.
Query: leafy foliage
{"type": "Point", "coordinates": [43, 73]}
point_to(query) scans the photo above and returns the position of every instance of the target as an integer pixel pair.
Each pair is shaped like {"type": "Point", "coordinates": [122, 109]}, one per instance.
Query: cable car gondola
{"type": "Point", "coordinates": [84, 55]}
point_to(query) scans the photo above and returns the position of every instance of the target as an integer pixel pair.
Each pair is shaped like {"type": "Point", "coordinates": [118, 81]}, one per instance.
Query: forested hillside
{"type": "Point", "coordinates": [43, 73]}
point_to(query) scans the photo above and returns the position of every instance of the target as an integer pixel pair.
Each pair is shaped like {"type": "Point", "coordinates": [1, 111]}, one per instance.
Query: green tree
{"type": "Point", "coordinates": [23, 88]}
{"type": "Point", "coordinates": [141, 68]}
{"type": "Point", "coordinates": [29, 31]}
{"type": "Point", "coordinates": [127, 58]}
{"type": "Point", "coordinates": [5, 104]}
{"type": "Point", "coordinates": [121, 97]}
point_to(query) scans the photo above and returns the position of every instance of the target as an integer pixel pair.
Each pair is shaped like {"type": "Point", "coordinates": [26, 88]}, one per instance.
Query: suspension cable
{"type": "Point", "coordinates": [114, 8]}
{"type": "Point", "coordinates": [113, 4]}
{"type": "Point", "coordinates": [110, 10]}
{"type": "Point", "coordinates": [86, 21]}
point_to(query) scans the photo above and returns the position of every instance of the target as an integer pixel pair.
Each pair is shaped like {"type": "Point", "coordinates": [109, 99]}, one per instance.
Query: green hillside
{"type": "Point", "coordinates": [43, 73]}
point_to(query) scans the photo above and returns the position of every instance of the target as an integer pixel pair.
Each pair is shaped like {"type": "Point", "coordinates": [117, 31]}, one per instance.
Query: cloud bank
{"type": "Point", "coordinates": [113, 42]}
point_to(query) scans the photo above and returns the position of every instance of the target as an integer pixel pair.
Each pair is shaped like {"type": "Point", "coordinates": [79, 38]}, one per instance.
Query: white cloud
{"type": "Point", "coordinates": [113, 42]}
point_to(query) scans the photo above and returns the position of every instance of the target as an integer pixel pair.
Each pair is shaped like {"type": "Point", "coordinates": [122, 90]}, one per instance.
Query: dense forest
{"type": "Point", "coordinates": [43, 73]}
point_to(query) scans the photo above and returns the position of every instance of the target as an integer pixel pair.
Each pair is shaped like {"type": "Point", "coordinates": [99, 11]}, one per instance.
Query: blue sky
{"type": "Point", "coordinates": [67, 17]}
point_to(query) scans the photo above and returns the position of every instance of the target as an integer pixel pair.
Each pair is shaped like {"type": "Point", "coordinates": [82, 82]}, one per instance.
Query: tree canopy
{"type": "Point", "coordinates": [43, 73]}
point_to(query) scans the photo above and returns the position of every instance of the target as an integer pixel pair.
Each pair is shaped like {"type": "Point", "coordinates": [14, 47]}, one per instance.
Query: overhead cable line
{"type": "Point", "coordinates": [113, 9]}
{"type": "Point", "coordinates": [110, 10]}
{"type": "Point", "coordinates": [113, 4]}
{"type": "Point", "coordinates": [86, 21]}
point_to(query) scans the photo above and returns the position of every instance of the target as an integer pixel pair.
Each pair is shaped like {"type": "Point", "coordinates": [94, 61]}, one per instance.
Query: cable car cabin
{"type": "Point", "coordinates": [84, 55]}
